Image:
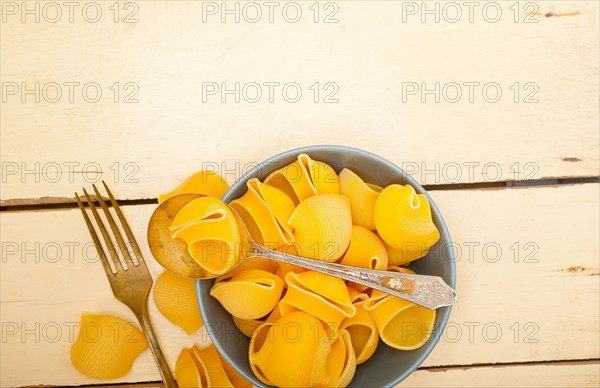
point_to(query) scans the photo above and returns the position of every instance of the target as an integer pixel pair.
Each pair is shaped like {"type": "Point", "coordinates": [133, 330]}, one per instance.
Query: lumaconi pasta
{"type": "Point", "coordinates": [197, 367]}
{"type": "Point", "coordinates": [366, 250]}
{"type": "Point", "coordinates": [304, 178]}
{"type": "Point", "coordinates": [106, 346]}
{"type": "Point", "coordinates": [362, 198]}
{"type": "Point", "coordinates": [274, 343]}
{"type": "Point", "coordinates": [249, 294]}
{"type": "Point", "coordinates": [411, 251]}
{"type": "Point", "coordinates": [322, 325]}
{"type": "Point", "coordinates": [323, 296]}
{"type": "Point", "coordinates": [322, 226]}
{"type": "Point", "coordinates": [403, 219]}
{"type": "Point", "coordinates": [265, 211]}
{"type": "Point", "coordinates": [175, 298]}
{"type": "Point", "coordinates": [203, 182]}
{"type": "Point", "coordinates": [211, 233]}
{"type": "Point", "coordinates": [363, 332]}
{"type": "Point", "coordinates": [402, 324]}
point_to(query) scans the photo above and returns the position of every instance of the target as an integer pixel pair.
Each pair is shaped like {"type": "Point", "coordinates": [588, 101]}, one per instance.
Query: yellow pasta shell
{"type": "Point", "coordinates": [362, 198]}
{"type": "Point", "coordinates": [304, 178]}
{"type": "Point", "coordinates": [357, 295]}
{"type": "Point", "coordinates": [363, 332]}
{"type": "Point", "coordinates": [197, 367]}
{"type": "Point", "coordinates": [322, 226]}
{"type": "Point", "coordinates": [298, 340]}
{"type": "Point", "coordinates": [265, 211]}
{"type": "Point", "coordinates": [341, 363]}
{"type": "Point", "coordinates": [365, 250]}
{"type": "Point", "coordinates": [412, 251]}
{"type": "Point", "coordinates": [402, 324]}
{"type": "Point", "coordinates": [211, 233]}
{"type": "Point", "coordinates": [325, 297]}
{"type": "Point", "coordinates": [203, 182]}
{"type": "Point", "coordinates": [175, 298]}
{"type": "Point", "coordinates": [247, 326]}
{"type": "Point", "coordinates": [106, 346]}
{"type": "Point", "coordinates": [188, 371]}
{"type": "Point", "coordinates": [403, 218]}
{"type": "Point", "coordinates": [211, 362]}
{"type": "Point", "coordinates": [249, 294]}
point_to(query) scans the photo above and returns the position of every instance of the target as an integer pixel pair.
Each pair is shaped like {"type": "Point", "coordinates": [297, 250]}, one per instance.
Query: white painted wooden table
{"type": "Point", "coordinates": [143, 93]}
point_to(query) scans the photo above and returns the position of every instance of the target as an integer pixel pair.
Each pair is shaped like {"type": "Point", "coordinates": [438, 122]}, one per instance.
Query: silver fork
{"type": "Point", "coordinates": [131, 284]}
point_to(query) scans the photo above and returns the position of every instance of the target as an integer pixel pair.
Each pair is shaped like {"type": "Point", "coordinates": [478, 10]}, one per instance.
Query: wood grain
{"type": "Point", "coordinates": [546, 308]}
{"type": "Point", "coordinates": [51, 149]}
{"type": "Point", "coordinates": [584, 374]}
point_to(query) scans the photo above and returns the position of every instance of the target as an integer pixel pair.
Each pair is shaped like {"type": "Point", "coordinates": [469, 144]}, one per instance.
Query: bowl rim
{"type": "Point", "coordinates": [434, 339]}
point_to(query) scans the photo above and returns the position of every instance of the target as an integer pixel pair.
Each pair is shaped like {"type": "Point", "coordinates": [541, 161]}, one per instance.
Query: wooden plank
{"type": "Point", "coordinates": [371, 53]}
{"type": "Point", "coordinates": [563, 375]}
{"type": "Point", "coordinates": [546, 307]}
{"type": "Point", "coordinates": [581, 374]}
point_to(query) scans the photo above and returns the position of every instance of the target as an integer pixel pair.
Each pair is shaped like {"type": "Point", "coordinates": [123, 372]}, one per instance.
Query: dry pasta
{"type": "Point", "coordinates": [362, 198]}
{"type": "Point", "coordinates": [106, 346]}
{"type": "Point", "coordinates": [323, 296]}
{"type": "Point", "coordinates": [211, 233]}
{"type": "Point", "coordinates": [198, 367]}
{"type": "Point", "coordinates": [402, 324]}
{"type": "Point", "coordinates": [403, 218]}
{"type": "Point", "coordinates": [265, 211]}
{"type": "Point", "coordinates": [203, 182]}
{"type": "Point", "coordinates": [321, 324]}
{"type": "Point", "coordinates": [322, 226]}
{"type": "Point", "coordinates": [305, 177]}
{"type": "Point", "coordinates": [249, 294]}
{"type": "Point", "coordinates": [175, 298]}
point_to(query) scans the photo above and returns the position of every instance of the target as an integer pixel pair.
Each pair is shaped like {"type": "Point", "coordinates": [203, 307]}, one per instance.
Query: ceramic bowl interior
{"type": "Point", "coordinates": [387, 366]}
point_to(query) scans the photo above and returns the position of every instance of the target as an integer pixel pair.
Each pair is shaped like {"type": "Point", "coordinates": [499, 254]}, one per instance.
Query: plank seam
{"type": "Point", "coordinates": [58, 203]}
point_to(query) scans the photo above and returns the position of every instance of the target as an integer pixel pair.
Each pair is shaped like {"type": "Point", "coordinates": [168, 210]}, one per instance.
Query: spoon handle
{"type": "Point", "coordinates": [427, 291]}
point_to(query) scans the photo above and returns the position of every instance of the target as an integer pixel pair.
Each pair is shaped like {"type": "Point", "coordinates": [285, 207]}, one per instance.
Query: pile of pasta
{"type": "Point", "coordinates": [322, 325]}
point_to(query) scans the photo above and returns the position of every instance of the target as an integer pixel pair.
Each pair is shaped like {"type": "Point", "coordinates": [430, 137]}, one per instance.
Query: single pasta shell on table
{"type": "Point", "coordinates": [106, 346]}
{"type": "Point", "coordinates": [403, 218]}
{"type": "Point", "coordinates": [341, 362]}
{"type": "Point", "coordinates": [291, 352]}
{"type": "Point", "coordinates": [322, 226]}
{"type": "Point", "coordinates": [304, 178]}
{"type": "Point", "coordinates": [325, 297]}
{"type": "Point", "coordinates": [175, 298]}
{"type": "Point", "coordinates": [249, 294]}
{"type": "Point", "coordinates": [203, 182]}
{"type": "Point", "coordinates": [365, 250]}
{"type": "Point", "coordinates": [363, 332]}
{"type": "Point", "coordinates": [362, 198]}
{"type": "Point", "coordinates": [265, 211]}
{"type": "Point", "coordinates": [210, 230]}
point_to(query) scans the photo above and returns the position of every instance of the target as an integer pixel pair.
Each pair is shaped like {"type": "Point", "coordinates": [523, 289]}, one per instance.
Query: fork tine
{"type": "Point", "coordinates": [94, 235]}
{"type": "Point", "coordinates": [115, 229]}
{"type": "Point", "coordinates": [125, 224]}
{"type": "Point", "coordinates": [107, 240]}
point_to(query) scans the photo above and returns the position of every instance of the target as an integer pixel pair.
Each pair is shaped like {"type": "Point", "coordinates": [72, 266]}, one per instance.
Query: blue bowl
{"type": "Point", "coordinates": [387, 366]}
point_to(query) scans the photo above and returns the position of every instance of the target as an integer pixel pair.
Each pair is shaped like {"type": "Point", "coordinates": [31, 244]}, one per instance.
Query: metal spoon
{"type": "Point", "coordinates": [427, 291]}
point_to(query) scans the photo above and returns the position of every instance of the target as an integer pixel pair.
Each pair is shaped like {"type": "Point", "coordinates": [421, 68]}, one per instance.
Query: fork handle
{"type": "Point", "coordinates": [159, 357]}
